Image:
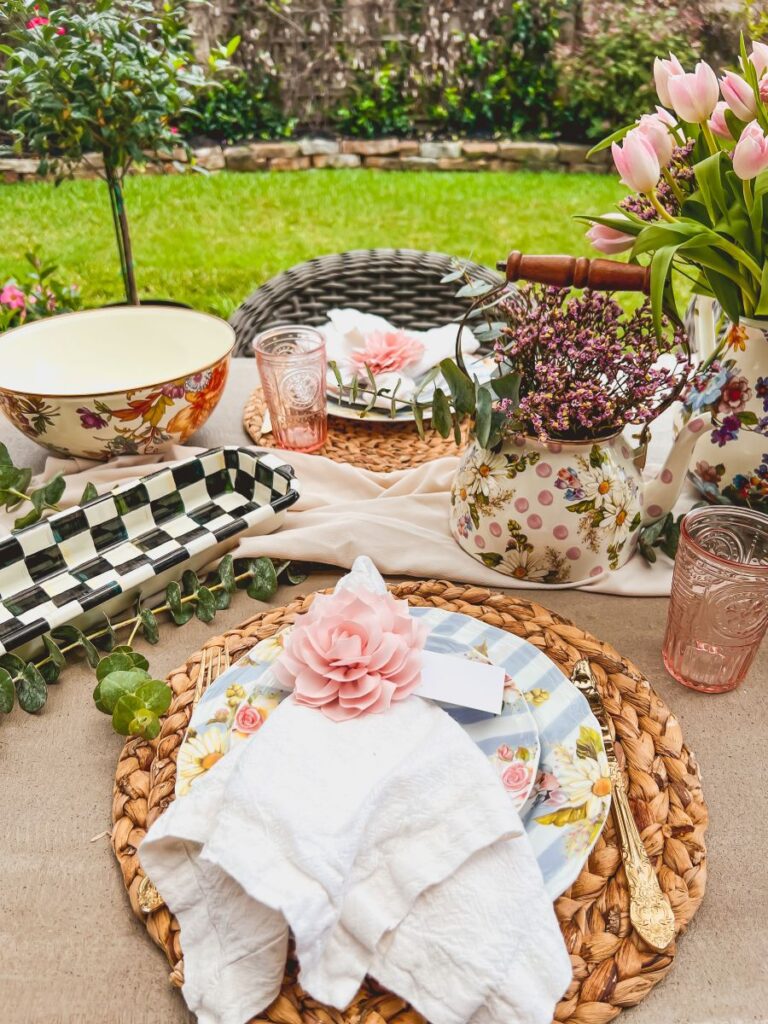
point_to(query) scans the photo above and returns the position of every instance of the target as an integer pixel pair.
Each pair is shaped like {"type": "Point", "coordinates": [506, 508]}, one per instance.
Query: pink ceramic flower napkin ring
{"type": "Point", "coordinates": [353, 653]}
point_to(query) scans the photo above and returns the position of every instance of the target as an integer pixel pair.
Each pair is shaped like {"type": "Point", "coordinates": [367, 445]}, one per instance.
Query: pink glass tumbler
{"type": "Point", "coordinates": [292, 367]}
{"type": "Point", "coordinates": [718, 613]}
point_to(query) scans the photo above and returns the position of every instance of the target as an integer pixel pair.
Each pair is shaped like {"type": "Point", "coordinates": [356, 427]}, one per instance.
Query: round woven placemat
{"type": "Point", "coordinates": [612, 967]}
{"type": "Point", "coordinates": [362, 443]}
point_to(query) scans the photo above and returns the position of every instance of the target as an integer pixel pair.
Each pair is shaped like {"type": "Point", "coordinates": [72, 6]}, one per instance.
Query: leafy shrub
{"type": "Point", "coordinates": [606, 79]}
{"type": "Point", "coordinates": [242, 107]}
{"type": "Point", "coordinates": [377, 105]}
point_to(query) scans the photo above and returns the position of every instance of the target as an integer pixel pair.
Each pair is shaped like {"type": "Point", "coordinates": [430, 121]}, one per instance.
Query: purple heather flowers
{"type": "Point", "coordinates": [587, 368]}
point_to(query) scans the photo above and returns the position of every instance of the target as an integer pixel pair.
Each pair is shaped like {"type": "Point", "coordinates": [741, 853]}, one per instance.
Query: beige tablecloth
{"type": "Point", "coordinates": [72, 953]}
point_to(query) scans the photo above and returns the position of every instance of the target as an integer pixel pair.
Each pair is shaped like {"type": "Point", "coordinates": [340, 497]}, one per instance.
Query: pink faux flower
{"type": "Point", "coordinates": [248, 719]}
{"type": "Point", "coordinates": [505, 753]}
{"type": "Point", "coordinates": [13, 297]}
{"type": "Point", "coordinates": [353, 654]}
{"type": "Point", "coordinates": [608, 240]}
{"type": "Point", "coordinates": [38, 21]}
{"type": "Point", "coordinates": [388, 351]}
{"type": "Point", "coordinates": [516, 778]}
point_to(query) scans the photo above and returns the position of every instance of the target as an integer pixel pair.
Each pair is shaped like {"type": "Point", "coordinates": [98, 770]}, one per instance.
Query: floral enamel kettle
{"type": "Point", "coordinates": [564, 512]}
{"type": "Point", "coordinates": [730, 462]}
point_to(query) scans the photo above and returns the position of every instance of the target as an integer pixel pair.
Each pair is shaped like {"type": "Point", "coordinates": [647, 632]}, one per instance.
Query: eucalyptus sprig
{"type": "Point", "coordinates": [15, 490]}
{"type": "Point", "coordinates": [125, 690]}
{"type": "Point", "coordinates": [663, 534]}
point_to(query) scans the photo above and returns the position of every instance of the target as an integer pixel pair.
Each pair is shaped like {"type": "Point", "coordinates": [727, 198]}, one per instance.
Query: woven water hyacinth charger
{"type": "Point", "coordinates": [382, 447]}
{"type": "Point", "coordinates": [612, 967]}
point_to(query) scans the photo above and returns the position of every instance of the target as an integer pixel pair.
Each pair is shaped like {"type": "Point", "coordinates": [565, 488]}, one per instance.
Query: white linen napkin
{"type": "Point", "coordinates": [348, 330]}
{"type": "Point", "coordinates": [385, 843]}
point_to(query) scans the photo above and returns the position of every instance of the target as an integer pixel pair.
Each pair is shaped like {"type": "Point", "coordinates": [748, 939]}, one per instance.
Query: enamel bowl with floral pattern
{"type": "Point", "coordinates": [124, 380]}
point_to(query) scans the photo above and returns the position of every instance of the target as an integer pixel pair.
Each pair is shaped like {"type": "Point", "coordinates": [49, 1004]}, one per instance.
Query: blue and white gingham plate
{"type": "Point", "coordinates": [546, 724]}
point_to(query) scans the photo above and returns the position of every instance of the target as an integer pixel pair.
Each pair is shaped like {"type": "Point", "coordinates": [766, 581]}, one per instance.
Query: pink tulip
{"type": "Point", "coordinates": [694, 95]}
{"type": "Point", "coordinates": [750, 156]}
{"type": "Point", "coordinates": [665, 116]}
{"type": "Point", "coordinates": [738, 95]}
{"type": "Point", "coordinates": [759, 58]}
{"type": "Point", "coordinates": [636, 161]}
{"type": "Point", "coordinates": [663, 70]}
{"type": "Point", "coordinates": [717, 122]}
{"type": "Point", "coordinates": [655, 130]}
{"type": "Point", "coordinates": [608, 240]}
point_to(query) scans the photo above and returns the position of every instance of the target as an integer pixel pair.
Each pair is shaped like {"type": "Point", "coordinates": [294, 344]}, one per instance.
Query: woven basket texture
{"type": "Point", "coordinates": [402, 285]}
{"type": "Point", "coordinates": [612, 966]}
{"type": "Point", "coordinates": [381, 447]}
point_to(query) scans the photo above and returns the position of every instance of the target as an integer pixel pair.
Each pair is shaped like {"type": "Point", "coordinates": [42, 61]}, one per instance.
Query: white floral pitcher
{"type": "Point", "coordinates": [730, 461]}
{"type": "Point", "coordinates": [561, 512]}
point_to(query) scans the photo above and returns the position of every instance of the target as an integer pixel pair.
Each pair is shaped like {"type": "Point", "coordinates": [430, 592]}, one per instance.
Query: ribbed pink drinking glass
{"type": "Point", "coordinates": [718, 613]}
{"type": "Point", "coordinates": [292, 367]}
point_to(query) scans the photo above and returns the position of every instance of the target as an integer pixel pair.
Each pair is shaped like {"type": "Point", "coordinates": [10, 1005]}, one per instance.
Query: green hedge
{"type": "Point", "coordinates": [514, 76]}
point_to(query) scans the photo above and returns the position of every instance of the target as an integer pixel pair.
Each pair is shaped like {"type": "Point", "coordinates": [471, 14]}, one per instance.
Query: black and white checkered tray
{"type": "Point", "coordinates": [97, 556]}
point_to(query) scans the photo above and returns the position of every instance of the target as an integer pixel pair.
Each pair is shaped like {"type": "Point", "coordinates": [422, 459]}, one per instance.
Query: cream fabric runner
{"type": "Point", "coordinates": [400, 519]}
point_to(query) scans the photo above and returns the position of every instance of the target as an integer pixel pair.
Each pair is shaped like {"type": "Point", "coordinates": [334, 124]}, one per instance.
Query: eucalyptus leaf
{"type": "Point", "coordinates": [54, 651]}
{"type": "Point", "coordinates": [31, 689]}
{"type": "Point", "coordinates": [482, 416]}
{"type": "Point", "coordinates": [54, 489]}
{"type": "Point", "coordinates": [226, 573]}
{"type": "Point", "coordinates": [155, 695]}
{"type": "Point", "coordinates": [180, 613]}
{"type": "Point", "coordinates": [205, 607]}
{"type": "Point", "coordinates": [294, 574]}
{"type": "Point", "coordinates": [138, 659]}
{"type": "Point", "coordinates": [89, 493]}
{"type": "Point", "coordinates": [442, 419]}
{"type": "Point", "coordinates": [118, 661]}
{"type": "Point", "coordinates": [189, 582]}
{"type": "Point", "coordinates": [7, 692]}
{"type": "Point", "coordinates": [461, 387]}
{"type": "Point", "coordinates": [149, 626]}
{"type": "Point", "coordinates": [263, 583]}
{"type": "Point", "coordinates": [113, 686]}
{"type": "Point", "coordinates": [124, 714]}
{"type": "Point", "coordinates": [50, 672]}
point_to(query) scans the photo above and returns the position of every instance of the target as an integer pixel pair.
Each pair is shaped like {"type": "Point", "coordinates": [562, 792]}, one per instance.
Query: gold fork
{"type": "Point", "coordinates": [213, 662]}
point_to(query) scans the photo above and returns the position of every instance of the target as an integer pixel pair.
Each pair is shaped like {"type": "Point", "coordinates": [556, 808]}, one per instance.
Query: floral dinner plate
{"type": "Point", "coordinates": [241, 700]}
{"type": "Point", "coordinates": [569, 799]}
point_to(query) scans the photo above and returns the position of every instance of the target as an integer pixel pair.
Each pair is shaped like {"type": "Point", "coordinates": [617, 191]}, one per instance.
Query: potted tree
{"type": "Point", "coordinates": [103, 83]}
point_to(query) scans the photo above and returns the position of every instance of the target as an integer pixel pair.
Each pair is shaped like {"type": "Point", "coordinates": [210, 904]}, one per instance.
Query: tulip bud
{"type": "Point", "coordinates": [694, 95]}
{"type": "Point", "coordinates": [717, 122]}
{"type": "Point", "coordinates": [608, 240]}
{"type": "Point", "coordinates": [759, 58]}
{"type": "Point", "coordinates": [750, 156]}
{"type": "Point", "coordinates": [653, 128]}
{"type": "Point", "coordinates": [738, 95]}
{"type": "Point", "coordinates": [636, 161]}
{"type": "Point", "coordinates": [663, 70]}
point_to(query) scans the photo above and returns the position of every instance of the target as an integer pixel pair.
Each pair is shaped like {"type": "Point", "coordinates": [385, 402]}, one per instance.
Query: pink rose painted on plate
{"type": "Point", "coordinates": [387, 352]}
{"type": "Point", "coordinates": [248, 719]}
{"type": "Point", "coordinates": [353, 654]}
{"type": "Point", "coordinates": [516, 778]}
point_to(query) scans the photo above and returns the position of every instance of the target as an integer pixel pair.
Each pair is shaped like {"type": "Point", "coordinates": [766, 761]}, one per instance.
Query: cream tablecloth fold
{"type": "Point", "coordinates": [400, 519]}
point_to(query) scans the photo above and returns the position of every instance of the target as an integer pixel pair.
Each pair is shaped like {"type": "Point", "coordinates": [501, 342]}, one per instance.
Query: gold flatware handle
{"type": "Point", "coordinates": [649, 911]}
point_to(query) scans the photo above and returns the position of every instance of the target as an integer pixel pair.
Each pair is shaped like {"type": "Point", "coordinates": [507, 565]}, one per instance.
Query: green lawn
{"type": "Point", "coordinates": [209, 241]}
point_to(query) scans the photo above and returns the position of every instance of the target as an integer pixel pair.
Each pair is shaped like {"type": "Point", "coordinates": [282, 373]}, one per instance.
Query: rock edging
{"type": "Point", "coordinates": [380, 154]}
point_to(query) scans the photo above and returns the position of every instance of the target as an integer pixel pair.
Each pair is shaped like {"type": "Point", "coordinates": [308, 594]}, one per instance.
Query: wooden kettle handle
{"type": "Point", "coordinates": [578, 272]}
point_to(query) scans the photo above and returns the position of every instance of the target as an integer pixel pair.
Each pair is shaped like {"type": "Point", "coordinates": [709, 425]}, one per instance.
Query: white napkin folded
{"type": "Point", "coordinates": [348, 331]}
{"type": "Point", "coordinates": [385, 843]}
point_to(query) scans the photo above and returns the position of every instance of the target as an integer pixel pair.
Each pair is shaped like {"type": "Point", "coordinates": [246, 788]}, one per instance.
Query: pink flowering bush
{"type": "Point", "coordinates": [37, 295]}
{"type": "Point", "coordinates": [353, 654]}
{"type": "Point", "coordinates": [586, 368]}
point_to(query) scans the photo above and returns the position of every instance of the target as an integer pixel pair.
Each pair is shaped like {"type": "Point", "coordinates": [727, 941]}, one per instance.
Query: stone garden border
{"type": "Point", "coordinates": [382, 154]}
